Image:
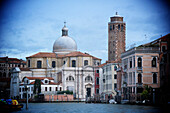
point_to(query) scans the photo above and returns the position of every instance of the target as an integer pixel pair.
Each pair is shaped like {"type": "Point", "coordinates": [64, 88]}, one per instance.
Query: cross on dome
{"type": "Point", "coordinates": [64, 23]}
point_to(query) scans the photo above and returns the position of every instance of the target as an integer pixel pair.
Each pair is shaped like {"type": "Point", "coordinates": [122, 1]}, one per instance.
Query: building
{"type": "Point", "coordinates": [48, 87]}
{"type": "Point", "coordinates": [97, 81]}
{"type": "Point", "coordinates": [72, 69]}
{"type": "Point", "coordinates": [108, 80]}
{"type": "Point", "coordinates": [140, 66]}
{"type": "Point", "coordinates": [6, 64]}
{"type": "Point", "coordinates": [17, 75]}
{"type": "Point", "coordinates": [164, 43]}
{"type": "Point", "coordinates": [116, 37]}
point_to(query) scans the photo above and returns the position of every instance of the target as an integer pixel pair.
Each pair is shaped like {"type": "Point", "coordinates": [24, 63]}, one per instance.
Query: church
{"type": "Point", "coordinates": [71, 69]}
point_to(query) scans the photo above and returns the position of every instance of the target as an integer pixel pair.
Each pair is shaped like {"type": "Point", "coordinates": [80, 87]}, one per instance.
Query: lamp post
{"type": "Point", "coordinates": [26, 89]}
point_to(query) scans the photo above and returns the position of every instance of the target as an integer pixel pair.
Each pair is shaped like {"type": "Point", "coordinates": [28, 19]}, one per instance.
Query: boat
{"type": "Point", "coordinates": [10, 105]}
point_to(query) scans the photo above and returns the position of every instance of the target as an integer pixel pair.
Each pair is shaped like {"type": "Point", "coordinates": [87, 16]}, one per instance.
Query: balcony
{"type": "Point", "coordinates": [139, 84]}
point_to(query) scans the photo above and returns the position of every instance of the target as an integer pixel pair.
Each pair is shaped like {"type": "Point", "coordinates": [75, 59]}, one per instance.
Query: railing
{"type": "Point", "coordinates": [139, 84]}
{"type": "Point", "coordinates": [49, 92]}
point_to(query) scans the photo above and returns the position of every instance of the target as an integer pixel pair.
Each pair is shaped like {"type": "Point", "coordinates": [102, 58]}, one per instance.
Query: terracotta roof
{"type": "Point", "coordinates": [40, 78]}
{"type": "Point", "coordinates": [53, 55]}
{"type": "Point", "coordinates": [11, 60]}
{"type": "Point", "coordinates": [25, 69]}
{"type": "Point", "coordinates": [102, 65]}
{"type": "Point", "coordinates": [108, 62]}
{"type": "Point", "coordinates": [43, 54]}
{"type": "Point", "coordinates": [34, 82]}
{"type": "Point", "coordinates": [77, 53]}
{"type": "Point", "coordinates": [52, 83]}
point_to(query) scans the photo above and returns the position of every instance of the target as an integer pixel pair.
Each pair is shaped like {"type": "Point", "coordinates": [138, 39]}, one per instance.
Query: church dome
{"type": "Point", "coordinates": [65, 43]}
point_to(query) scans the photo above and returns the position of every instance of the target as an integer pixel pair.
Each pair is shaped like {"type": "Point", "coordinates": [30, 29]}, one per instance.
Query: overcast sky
{"type": "Point", "coordinates": [31, 26]}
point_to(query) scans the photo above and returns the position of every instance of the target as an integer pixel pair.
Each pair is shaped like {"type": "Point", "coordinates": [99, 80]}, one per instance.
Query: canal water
{"type": "Point", "coordinates": [87, 108]}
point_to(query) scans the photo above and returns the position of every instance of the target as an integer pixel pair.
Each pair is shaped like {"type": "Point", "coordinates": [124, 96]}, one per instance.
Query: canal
{"type": "Point", "coordinates": [87, 108]}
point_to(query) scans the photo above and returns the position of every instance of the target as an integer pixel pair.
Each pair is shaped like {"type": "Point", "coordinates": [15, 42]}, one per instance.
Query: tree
{"type": "Point", "coordinates": [37, 86]}
{"type": "Point", "coordinates": [146, 94]}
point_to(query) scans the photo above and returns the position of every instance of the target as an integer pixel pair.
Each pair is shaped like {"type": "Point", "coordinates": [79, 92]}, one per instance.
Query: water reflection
{"type": "Point", "coordinates": [87, 108]}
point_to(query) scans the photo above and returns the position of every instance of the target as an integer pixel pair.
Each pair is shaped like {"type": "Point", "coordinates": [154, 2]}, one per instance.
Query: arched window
{"type": "Point", "coordinates": [113, 27]}
{"type": "Point", "coordinates": [154, 78]}
{"type": "Point", "coordinates": [70, 78]}
{"type": "Point", "coordinates": [139, 78]}
{"type": "Point", "coordinates": [39, 64]}
{"type": "Point", "coordinates": [121, 27]}
{"type": "Point", "coordinates": [118, 27]}
{"type": "Point", "coordinates": [88, 79]}
{"type": "Point", "coordinates": [53, 64]}
{"type": "Point", "coordinates": [139, 62]}
{"type": "Point", "coordinates": [73, 63]}
{"type": "Point", "coordinates": [85, 62]}
{"type": "Point", "coordinates": [154, 62]}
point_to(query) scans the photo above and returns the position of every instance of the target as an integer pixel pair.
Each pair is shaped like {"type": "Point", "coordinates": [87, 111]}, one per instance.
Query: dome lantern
{"type": "Point", "coordinates": [65, 30]}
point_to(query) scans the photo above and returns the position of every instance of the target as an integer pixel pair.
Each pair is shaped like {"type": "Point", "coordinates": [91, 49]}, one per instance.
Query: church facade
{"type": "Point", "coordinates": [72, 69]}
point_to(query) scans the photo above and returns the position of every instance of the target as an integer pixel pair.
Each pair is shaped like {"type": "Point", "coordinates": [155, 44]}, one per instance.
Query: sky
{"type": "Point", "coordinates": [31, 26]}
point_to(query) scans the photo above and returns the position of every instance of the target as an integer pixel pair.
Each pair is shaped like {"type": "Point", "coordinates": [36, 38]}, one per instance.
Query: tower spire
{"type": "Point", "coordinates": [64, 23]}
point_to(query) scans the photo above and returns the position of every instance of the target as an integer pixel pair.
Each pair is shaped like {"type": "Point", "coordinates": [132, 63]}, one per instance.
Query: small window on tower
{"type": "Point", "coordinates": [118, 27]}
{"type": "Point", "coordinates": [121, 27]}
{"type": "Point", "coordinates": [110, 27]}
{"type": "Point", "coordinates": [113, 27]}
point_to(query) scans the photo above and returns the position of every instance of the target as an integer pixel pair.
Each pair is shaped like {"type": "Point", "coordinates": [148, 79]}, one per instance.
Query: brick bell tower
{"type": "Point", "coordinates": [116, 37]}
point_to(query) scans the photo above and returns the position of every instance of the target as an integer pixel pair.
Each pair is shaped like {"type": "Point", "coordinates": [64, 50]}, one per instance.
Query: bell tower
{"type": "Point", "coordinates": [116, 37]}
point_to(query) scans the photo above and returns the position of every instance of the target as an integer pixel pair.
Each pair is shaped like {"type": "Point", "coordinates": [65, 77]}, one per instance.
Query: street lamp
{"type": "Point", "coordinates": [26, 89]}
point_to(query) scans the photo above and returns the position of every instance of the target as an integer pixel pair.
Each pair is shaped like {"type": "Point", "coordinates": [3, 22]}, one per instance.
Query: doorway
{"type": "Point", "coordinates": [88, 92]}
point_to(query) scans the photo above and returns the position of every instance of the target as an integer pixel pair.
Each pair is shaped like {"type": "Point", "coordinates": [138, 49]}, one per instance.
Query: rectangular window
{"type": "Point", "coordinates": [53, 64]}
{"type": "Point", "coordinates": [73, 63]}
{"type": "Point", "coordinates": [56, 89]}
{"type": "Point", "coordinates": [115, 86]}
{"type": "Point", "coordinates": [50, 88]}
{"type": "Point", "coordinates": [85, 62]}
{"type": "Point", "coordinates": [39, 63]}
{"type": "Point", "coordinates": [97, 71]}
{"type": "Point", "coordinates": [130, 78]}
{"type": "Point", "coordinates": [19, 89]}
{"type": "Point", "coordinates": [103, 80]}
{"type": "Point", "coordinates": [45, 88]}
{"type": "Point", "coordinates": [134, 61]}
{"type": "Point", "coordinates": [115, 76]}
{"type": "Point", "coordinates": [133, 77]}
{"type": "Point", "coordinates": [60, 89]}
{"type": "Point", "coordinates": [97, 80]}
{"type": "Point", "coordinates": [97, 91]}
{"type": "Point", "coordinates": [28, 63]}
